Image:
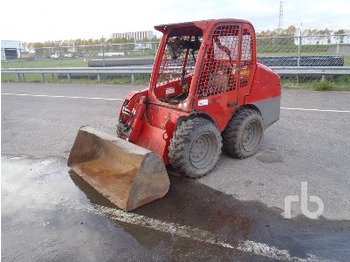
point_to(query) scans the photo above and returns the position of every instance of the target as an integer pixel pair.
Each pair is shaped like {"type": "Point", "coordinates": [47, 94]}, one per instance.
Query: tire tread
{"type": "Point", "coordinates": [179, 146]}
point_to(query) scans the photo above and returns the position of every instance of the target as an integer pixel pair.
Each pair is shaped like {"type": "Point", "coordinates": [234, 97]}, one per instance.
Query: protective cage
{"type": "Point", "coordinates": [222, 58]}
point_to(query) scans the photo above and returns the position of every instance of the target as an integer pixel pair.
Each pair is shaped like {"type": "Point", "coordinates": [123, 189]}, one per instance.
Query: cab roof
{"type": "Point", "coordinates": [201, 24]}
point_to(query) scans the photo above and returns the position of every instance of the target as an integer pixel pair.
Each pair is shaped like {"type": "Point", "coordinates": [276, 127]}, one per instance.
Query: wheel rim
{"type": "Point", "coordinates": [251, 136]}
{"type": "Point", "coordinates": [202, 150]}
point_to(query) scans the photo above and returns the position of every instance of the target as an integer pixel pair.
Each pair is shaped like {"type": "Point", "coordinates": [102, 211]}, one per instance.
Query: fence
{"type": "Point", "coordinates": [333, 50]}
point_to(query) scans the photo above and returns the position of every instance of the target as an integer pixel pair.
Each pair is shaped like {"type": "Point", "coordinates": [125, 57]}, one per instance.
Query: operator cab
{"type": "Point", "coordinates": [177, 64]}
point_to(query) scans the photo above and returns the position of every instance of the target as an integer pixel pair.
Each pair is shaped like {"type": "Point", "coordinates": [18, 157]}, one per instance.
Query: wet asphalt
{"type": "Point", "coordinates": [50, 214]}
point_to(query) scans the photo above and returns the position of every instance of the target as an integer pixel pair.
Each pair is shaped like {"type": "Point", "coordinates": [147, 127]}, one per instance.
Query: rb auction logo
{"type": "Point", "coordinates": [304, 204]}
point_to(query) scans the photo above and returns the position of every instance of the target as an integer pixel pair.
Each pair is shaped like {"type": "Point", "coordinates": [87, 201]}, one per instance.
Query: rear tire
{"type": "Point", "coordinates": [195, 148]}
{"type": "Point", "coordinates": [243, 134]}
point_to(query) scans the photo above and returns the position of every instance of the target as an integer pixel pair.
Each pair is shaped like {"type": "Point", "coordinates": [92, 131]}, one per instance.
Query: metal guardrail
{"type": "Point", "coordinates": [133, 70]}
{"type": "Point", "coordinates": [88, 71]}
{"type": "Point", "coordinates": [308, 70]}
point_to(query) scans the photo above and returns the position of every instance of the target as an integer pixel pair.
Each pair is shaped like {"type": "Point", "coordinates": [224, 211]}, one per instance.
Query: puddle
{"type": "Point", "coordinates": [49, 213]}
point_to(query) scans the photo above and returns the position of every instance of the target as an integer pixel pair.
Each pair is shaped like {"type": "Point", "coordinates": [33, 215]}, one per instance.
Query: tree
{"type": "Point", "coordinates": [340, 35]}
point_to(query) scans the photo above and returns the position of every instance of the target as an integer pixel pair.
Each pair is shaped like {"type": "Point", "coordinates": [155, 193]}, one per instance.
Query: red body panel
{"type": "Point", "coordinates": [266, 85]}
{"type": "Point", "coordinates": [158, 128]}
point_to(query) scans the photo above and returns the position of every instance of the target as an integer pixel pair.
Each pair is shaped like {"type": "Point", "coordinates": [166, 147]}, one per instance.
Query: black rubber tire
{"type": "Point", "coordinates": [243, 134]}
{"type": "Point", "coordinates": [195, 147]}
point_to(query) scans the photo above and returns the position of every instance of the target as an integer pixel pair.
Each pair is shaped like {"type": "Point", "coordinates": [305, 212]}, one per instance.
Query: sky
{"type": "Point", "coordinates": [42, 20]}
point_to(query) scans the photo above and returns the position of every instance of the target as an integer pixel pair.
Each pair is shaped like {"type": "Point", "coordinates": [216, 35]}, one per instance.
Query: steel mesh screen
{"type": "Point", "coordinates": [216, 74]}
{"type": "Point", "coordinates": [246, 59]}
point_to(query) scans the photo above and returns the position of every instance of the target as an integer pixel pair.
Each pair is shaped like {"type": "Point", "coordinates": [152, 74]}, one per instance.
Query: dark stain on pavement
{"type": "Point", "coordinates": [196, 205]}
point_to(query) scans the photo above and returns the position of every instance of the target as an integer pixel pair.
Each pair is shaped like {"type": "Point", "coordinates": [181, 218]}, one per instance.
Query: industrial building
{"type": "Point", "coordinates": [10, 49]}
{"type": "Point", "coordinates": [136, 36]}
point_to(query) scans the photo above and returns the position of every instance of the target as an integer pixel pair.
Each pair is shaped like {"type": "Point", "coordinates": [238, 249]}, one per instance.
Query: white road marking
{"type": "Point", "coordinates": [122, 99]}
{"type": "Point", "coordinates": [69, 97]}
{"type": "Point", "coordinates": [248, 246]}
{"type": "Point", "coordinates": [314, 109]}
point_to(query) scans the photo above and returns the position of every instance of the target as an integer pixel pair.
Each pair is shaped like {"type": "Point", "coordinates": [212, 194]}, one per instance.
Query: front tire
{"type": "Point", "coordinates": [195, 147]}
{"type": "Point", "coordinates": [243, 134]}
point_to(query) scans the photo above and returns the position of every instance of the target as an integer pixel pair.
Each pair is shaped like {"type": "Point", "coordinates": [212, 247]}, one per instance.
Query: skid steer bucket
{"type": "Point", "coordinates": [128, 175]}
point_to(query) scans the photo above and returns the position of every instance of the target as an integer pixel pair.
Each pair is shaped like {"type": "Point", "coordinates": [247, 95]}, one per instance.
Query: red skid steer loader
{"type": "Point", "coordinates": [206, 92]}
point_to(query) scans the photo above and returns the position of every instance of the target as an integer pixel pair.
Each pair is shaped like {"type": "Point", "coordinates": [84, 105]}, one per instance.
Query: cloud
{"type": "Point", "coordinates": [39, 20]}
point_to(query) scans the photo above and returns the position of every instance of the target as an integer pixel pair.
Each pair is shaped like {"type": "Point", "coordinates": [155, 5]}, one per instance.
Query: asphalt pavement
{"type": "Point", "coordinates": [255, 209]}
